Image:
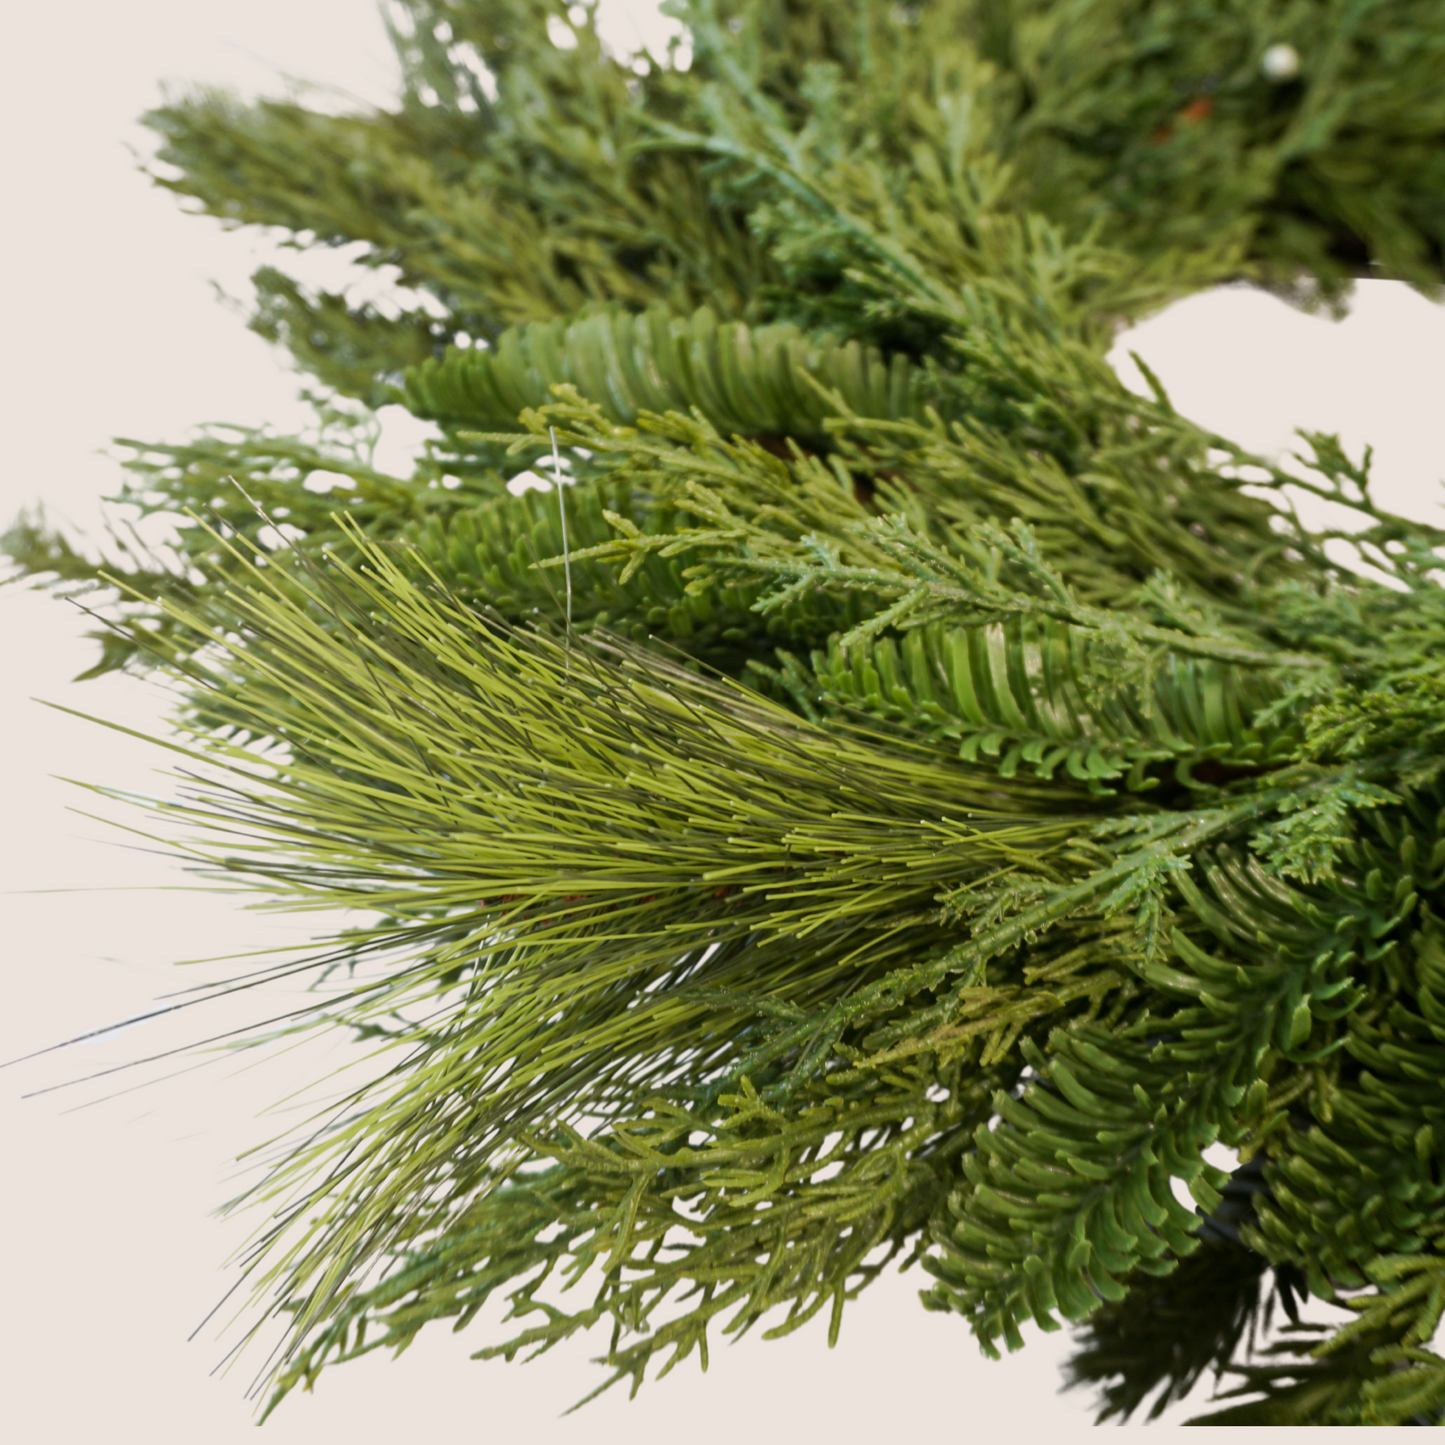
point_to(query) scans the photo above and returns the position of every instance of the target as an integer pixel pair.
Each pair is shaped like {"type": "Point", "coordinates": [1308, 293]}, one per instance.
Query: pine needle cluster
{"type": "Point", "coordinates": [901, 795]}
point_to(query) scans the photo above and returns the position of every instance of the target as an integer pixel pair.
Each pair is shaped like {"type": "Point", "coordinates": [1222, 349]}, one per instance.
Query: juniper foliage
{"type": "Point", "coordinates": [907, 796]}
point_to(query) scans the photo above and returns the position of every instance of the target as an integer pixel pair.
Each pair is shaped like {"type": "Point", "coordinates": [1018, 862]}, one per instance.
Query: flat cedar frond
{"type": "Point", "coordinates": [896, 793]}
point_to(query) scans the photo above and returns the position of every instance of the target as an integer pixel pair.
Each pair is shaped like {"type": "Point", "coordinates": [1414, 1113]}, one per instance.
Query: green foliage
{"type": "Point", "coordinates": [1071, 1190]}
{"type": "Point", "coordinates": [1376, 1370]}
{"type": "Point", "coordinates": [1169, 1329]}
{"type": "Point", "coordinates": [1153, 123]}
{"type": "Point", "coordinates": [1020, 691]}
{"type": "Point", "coordinates": [768, 380]}
{"type": "Point", "coordinates": [516, 210]}
{"type": "Point", "coordinates": [894, 793]}
{"type": "Point", "coordinates": [759, 1228]}
{"type": "Point", "coordinates": [275, 492]}
{"type": "Point", "coordinates": [350, 349]}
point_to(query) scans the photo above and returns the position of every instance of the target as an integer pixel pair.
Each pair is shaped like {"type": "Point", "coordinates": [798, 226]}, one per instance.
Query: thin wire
{"type": "Point", "coordinates": [566, 549]}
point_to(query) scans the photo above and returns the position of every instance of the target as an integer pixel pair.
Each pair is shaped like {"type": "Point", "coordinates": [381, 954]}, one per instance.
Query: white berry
{"type": "Point", "coordinates": [1281, 62]}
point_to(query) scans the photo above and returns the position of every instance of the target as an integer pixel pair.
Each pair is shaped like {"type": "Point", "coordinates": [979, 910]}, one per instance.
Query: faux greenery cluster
{"type": "Point", "coordinates": [905, 795]}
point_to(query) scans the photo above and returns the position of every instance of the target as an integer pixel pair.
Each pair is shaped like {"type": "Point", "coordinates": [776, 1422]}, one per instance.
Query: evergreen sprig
{"type": "Point", "coordinates": [900, 795]}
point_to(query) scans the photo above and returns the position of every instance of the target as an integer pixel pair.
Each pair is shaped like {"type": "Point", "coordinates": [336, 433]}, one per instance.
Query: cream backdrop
{"type": "Point", "coordinates": [112, 328]}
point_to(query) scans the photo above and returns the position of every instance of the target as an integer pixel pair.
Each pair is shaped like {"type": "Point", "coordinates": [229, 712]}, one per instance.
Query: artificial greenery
{"type": "Point", "coordinates": [900, 794]}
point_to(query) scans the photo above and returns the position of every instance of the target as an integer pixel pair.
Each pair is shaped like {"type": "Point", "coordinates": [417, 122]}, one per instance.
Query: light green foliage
{"type": "Point", "coordinates": [900, 794]}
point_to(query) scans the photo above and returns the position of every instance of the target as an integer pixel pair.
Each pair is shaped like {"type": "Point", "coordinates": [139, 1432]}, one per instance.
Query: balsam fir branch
{"type": "Point", "coordinates": [765, 381]}
{"type": "Point", "coordinates": [902, 796]}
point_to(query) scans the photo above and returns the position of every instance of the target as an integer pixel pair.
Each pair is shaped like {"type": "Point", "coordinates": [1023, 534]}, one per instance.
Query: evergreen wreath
{"type": "Point", "coordinates": [895, 793]}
